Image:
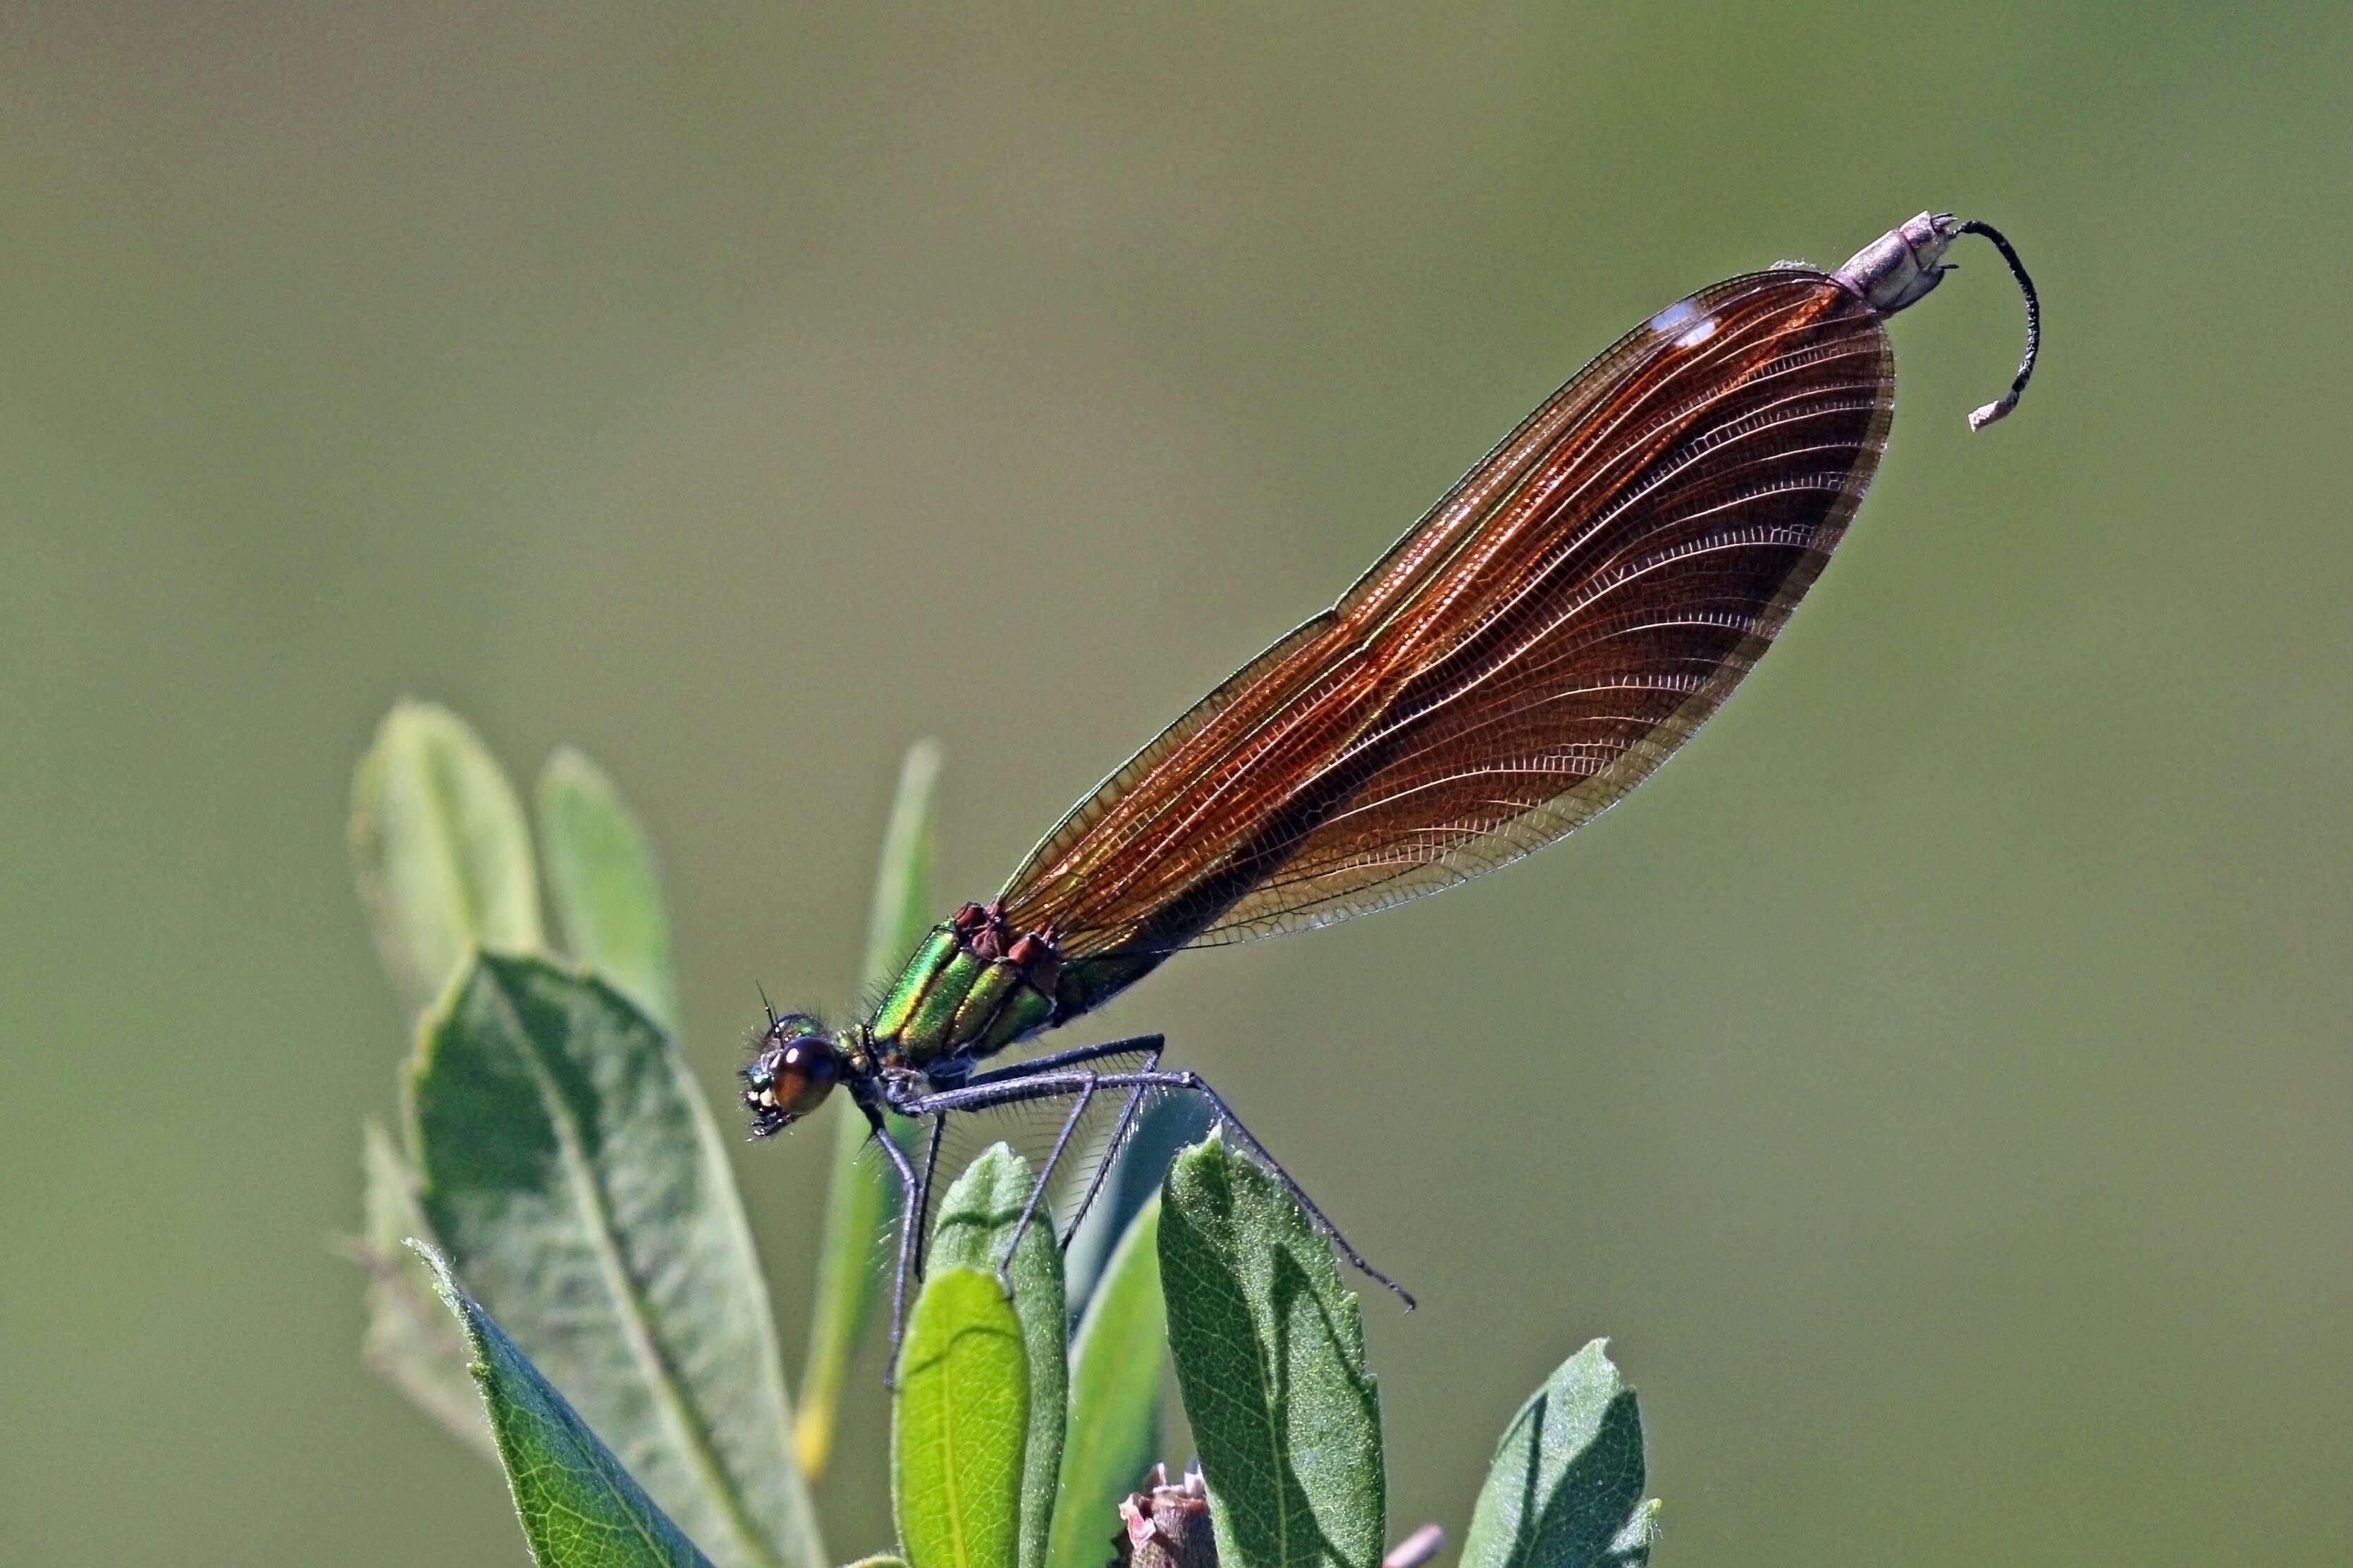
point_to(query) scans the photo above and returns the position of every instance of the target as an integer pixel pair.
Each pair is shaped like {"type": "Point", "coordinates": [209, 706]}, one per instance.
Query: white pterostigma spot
{"type": "Point", "coordinates": [1675, 316]}
{"type": "Point", "coordinates": [1684, 322]}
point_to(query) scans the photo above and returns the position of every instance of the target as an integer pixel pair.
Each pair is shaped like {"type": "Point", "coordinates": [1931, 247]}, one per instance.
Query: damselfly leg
{"type": "Point", "coordinates": [1048, 1080]}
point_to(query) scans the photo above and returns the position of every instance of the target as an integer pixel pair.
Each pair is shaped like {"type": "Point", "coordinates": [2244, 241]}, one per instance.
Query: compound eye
{"type": "Point", "coordinates": [805, 1069]}
{"type": "Point", "coordinates": [788, 1079]}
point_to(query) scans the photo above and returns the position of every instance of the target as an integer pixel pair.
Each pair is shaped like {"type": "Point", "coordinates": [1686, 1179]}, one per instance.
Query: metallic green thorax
{"type": "Point", "coordinates": [951, 1001]}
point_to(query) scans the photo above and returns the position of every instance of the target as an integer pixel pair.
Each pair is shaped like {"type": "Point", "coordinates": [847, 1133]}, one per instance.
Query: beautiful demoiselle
{"type": "Point", "coordinates": [1547, 634]}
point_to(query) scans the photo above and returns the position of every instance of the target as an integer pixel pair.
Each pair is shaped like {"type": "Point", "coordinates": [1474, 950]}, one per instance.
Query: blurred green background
{"type": "Point", "coordinates": [1936, 1081]}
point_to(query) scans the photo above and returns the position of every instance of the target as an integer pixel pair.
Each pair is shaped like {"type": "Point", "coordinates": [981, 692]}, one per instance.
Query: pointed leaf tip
{"type": "Point", "coordinates": [578, 1506]}
{"type": "Point", "coordinates": [440, 851]}
{"type": "Point", "coordinates": [1566, 1486]}
{"type": "Point", "coordinates": [602, 880]}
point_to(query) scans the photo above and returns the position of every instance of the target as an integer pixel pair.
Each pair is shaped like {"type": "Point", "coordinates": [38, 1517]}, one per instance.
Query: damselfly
{"type": "Point", "coordinates": [1545, 637]}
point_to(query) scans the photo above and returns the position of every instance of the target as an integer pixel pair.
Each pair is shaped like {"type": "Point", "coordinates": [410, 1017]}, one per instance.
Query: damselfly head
{"type": "Point", "coordinates": [795, 1067]}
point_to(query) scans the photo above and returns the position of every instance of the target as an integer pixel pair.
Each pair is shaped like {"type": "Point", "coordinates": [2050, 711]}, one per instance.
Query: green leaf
{"type": "Point", "coordinates": [601, 878]}
{"type": "Point", "coordinates": [1271, 1359]}
{"type": "Point", "coordinates": [443, 857]}
{"type": "Point", "coordinates": [1631, 1548]}
{"type": "Point", "coordinates": [1567, 1477]}
{"type": "Point", "coordinates": [1115, 1428]}
{"type": "Point", "coordinates": [579, 1507]}
{"type": "Point", "coordinates": [862, 1196]}
{"type": "Point", "coordinates": [962, 1416]}
{"type": "Point", "coordinates": [570, 1167]}
{"type": "Point", "coordinates": [409, 1339]}
{"type": "Point", "coordinates": [976, 1221]}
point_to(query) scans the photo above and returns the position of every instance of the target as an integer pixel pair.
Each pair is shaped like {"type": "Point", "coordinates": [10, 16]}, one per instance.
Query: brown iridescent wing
{"type": "Point", "coordinates": [1554, 627]}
